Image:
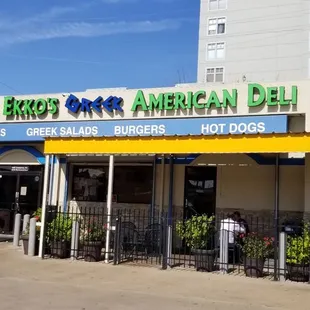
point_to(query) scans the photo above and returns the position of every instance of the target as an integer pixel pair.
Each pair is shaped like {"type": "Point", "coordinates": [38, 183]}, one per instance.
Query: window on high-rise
{"type": "Point", "coordinates": [217, 5]}
{"type": "Point", "coordinates": [215, 75]}
{"type": "Point", "coordinates": [215, 50]}
{"type": "Point", "coordinates": [216, 26]}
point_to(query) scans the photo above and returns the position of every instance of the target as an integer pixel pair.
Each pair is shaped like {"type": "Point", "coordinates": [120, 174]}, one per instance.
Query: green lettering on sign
{"type": "Point", "coordinates": [14, 107]}
{"type": "Point", "coordinates": [257, 96]}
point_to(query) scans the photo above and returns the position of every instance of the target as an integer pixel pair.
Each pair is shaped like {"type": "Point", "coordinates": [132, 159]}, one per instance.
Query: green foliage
{"type": "Point", "coordinates": [298, 247]}
{"type": "Point", "coordinates": [60, 228]}
{"type": "Point", "coordinates": [255, 246]}
{"type": "Point", "coordinates": [38, 214]}
{"type": "Point", "coordinates": [93, 231]}
{"type": "Point", "coordinates": [196, 231]}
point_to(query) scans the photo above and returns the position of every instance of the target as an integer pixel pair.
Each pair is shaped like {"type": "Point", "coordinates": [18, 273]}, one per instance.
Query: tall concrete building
{"type": "Point", "coordinates": [247, 41]}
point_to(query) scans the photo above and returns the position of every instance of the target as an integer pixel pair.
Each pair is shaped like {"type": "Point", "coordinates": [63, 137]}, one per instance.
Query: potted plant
{"type": "Point", "coordinates": [256, 249]}
{"type": "Point", "coordinates": [92, 239]}
{"type": "Point", "coordinates": [59, 235]}
{"type": "Point", "coordinates": [298, 255]}
{"type": "Point", "coordinates": [197, 232]}
{"type": "Point", "coordinates": [25, 238]}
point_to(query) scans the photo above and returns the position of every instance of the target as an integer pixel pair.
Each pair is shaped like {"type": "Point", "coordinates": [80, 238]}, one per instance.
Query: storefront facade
{"type": "Point", "coordinates": [209, 150]}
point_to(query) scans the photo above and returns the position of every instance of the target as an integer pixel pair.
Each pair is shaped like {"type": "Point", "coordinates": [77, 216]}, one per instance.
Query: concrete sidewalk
{"type": "Point", "coordinates": [30, 283]}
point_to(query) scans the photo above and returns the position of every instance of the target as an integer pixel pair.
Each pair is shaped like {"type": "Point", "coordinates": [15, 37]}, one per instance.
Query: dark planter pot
{"type": "Point", "coordinates": [60, 249]}
{"type": "Point", "coordinates": [298, 272]}
{"type": "Point", "coordinates": [254, 267]}
{"type": "Point", "coordinates": [204, 259]}
{"type": "Point", "coordinates": [92, 251]}
{"type": "Point", "coordinates": [25, 240]}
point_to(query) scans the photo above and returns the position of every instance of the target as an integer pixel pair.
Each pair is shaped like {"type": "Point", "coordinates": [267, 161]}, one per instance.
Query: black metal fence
{"type": "Point", "coordinates": [254, 246]}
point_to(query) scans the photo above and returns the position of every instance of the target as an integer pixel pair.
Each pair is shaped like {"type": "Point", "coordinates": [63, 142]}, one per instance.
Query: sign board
{"type": "Point", "coordinates": [153, 127]}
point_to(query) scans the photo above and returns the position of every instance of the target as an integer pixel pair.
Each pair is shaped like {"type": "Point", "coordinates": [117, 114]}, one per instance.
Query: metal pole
{"type": "Point", "coordinates": [170, 210]}
{"type": "Point", "coordinates": [44, 200]}
{"type": "Point", "coordinates": [50, 190]}
{"type": "Point", "coordinates": [282, 256]}
{"type": "Point", "coordinates": [276, 218]}
{"type": "Point", "coordinates": [17, 223]}
{"type": "Point", "coordinates": [162, 190]}
{"type": "Point", "coordinates": [32, 237]}
{"type": "Point", "coordinates": [109, 206]}
{"type": "Point", "coordinates": [153, 191]}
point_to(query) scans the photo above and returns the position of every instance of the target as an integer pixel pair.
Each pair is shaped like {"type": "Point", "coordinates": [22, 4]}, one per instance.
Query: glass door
{"type": "Point", "coordinates": [8, 196]}
{"type": "Point", "coordinates": [29, 189]}
{"type": "Point", "coordinates": [200, 191]}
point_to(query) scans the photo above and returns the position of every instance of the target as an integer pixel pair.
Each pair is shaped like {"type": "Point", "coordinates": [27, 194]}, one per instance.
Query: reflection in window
{"type": "Point", "coordinates": [89, 183]}
{"type": "Point", "coordinates": [132, 184]}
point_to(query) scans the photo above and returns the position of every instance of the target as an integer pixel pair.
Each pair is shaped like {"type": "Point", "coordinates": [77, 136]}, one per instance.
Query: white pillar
{"type": "Point", "coordinates": [109, 206]}
{"type": "Point", "coordinates": [224, 240]}
{"type": "Point", "coordinates": [44, 202]}
{"type": "Point", "coordinates": [17, 224]}
{"type": "Point", "coordinates": [32, 237]}
{"type": "Point", "coordinates": [62, 186]}
{"type": "Point", "coordinates": [282, 256]}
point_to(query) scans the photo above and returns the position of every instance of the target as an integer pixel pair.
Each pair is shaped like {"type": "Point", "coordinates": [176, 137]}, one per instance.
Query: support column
{"type": "Point", "coordinates": [109, 206]}
{"type": "Point", "coordinates": [63, 184]}
{"type": "Point", "coordinates": [276, 218]}
{"type": "Point", "coordinates": [307, 186]}
{"type": "Point", "coordinates": [153, 206]}
{"type": "Point", "coordinates": [44, 202]}
{"type": "Point", "coordinates": [170, 210]}
{"type": "Point", "coordinates": [51, 180]}
{"type": "Point", "coordinates": [162, 189]}
{"type": "Point", "coordinates": [55, 184]}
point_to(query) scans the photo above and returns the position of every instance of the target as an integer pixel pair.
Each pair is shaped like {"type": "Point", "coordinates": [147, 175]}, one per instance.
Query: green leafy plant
{"type": "Point", "coordinates": [255, 246]}
{"type": "Point", "coordinates": [38, 214]}
{"type": "Point", "coordinates": [60, 228]}
{"type": "Point", "coordinates": [298, 247]}
{"type": "Point", "coordinates": [196, 231]}
{"type": "Point", "coordinates": [93, 231]}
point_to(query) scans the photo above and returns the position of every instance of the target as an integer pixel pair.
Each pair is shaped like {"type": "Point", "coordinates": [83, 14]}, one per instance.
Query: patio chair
{"type": "Point", "coordinates": [153, 239]}
{"type": "Point", "coordinates": [128, 238]}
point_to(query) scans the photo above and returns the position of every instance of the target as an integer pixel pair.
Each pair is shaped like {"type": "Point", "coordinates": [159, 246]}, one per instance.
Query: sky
{"type": "Point", "coordinates": [74, 45]}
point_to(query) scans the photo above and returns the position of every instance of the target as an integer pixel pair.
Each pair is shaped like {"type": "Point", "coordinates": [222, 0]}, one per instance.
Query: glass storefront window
{"type": "Point", "coordinates": [132, 184]}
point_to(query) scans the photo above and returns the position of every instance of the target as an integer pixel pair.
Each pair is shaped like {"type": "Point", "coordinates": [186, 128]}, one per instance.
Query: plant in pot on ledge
{"type": "Point", "coordinates": [298, 255]}
{"type": "Point", "coordinates": [256, 249]}
{"type": "Point", "coordinates": [59, 236]}
{"type": "Point", "coordinates": [92, 239]}
{"type": "Point", "coordinates": [197, 232]}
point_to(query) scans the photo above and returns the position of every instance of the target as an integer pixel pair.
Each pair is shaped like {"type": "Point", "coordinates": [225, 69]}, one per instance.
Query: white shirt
{"type": "Point", "coordinates": [232, 227]}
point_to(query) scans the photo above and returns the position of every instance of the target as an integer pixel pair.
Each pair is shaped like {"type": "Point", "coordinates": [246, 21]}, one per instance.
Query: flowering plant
{"type": "Point", "coordinates": [196, 231]}
{"type": "Point", "coordinates": [38, 214]}
{"type": "Point", "coordinates": [255, 246]}
{"type": "Point", "coordinates": [93, 231]}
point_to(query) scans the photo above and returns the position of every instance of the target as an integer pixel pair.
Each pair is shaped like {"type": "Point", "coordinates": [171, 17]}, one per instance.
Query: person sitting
{"type": "Point", "coordinates": [241, 221]}
{"type": "Point", "coordinates": [234, 229]}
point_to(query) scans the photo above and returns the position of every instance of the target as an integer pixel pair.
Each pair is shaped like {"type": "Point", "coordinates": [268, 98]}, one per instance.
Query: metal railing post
{"type": "Point", "coordinates": [165, 243]}
{"type": "Point", "coordinates": [282, 256]}
{"type": "Point", "coordinates": [75, 240]}
{"type": "Point", "coordinates": [224, 241]}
